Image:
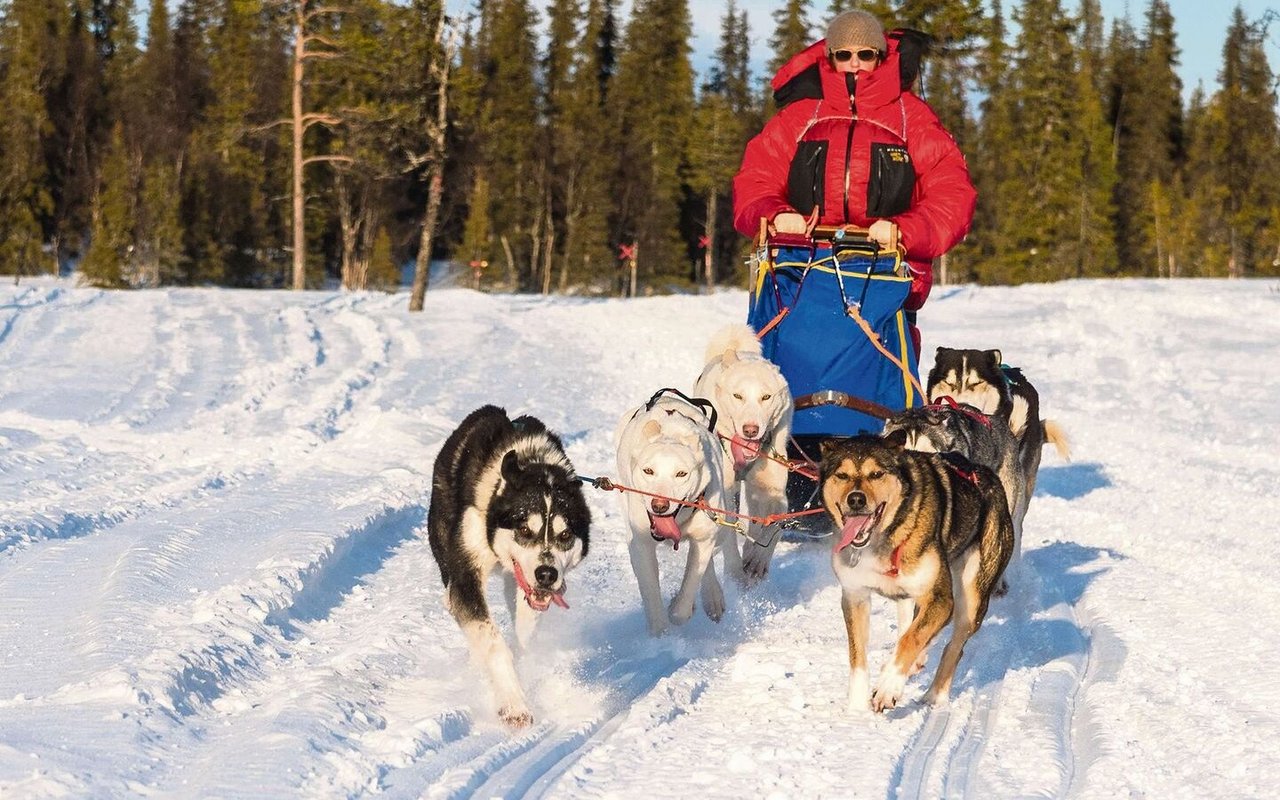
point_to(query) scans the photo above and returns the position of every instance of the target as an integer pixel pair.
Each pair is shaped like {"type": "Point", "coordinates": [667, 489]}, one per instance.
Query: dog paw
{"type": "Point", "coordinates": [515, 717]}
{"type": "Point", "coordinates": [680, 614]}
{"type": "Point", "coordinates": [1002, 588]}
{"type": "Point", "coordinates": [713, 603]}
{"type": "Point", "coordinates": [755, 562]}
{"type": "Point", "coordinates": [889, 692]}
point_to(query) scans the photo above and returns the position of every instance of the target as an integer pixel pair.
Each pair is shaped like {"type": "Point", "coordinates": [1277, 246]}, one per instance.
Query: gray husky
{"type": "Point", "coordinates": [982, 439]}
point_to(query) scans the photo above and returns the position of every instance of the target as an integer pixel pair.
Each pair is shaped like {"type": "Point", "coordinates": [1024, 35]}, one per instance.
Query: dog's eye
{"type": "Point", "coordinates": [737, 396]}
{"type": "Point", "coordinates": [566, 535]}
{"type": "Point", "coordinates": [648, 470]}
{"type": "Point", "coordinates": [875, 475]}
{"type": "Point", "coordinates": [682, 474]}
{"type": "Point", "coordinates": [765, 398]}
{"type": "Point", "coordinates": [843, 476]}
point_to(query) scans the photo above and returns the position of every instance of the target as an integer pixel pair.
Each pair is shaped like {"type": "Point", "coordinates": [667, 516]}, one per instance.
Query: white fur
{"type": "Point", "coordinates": [752, 403]}
{"type": "Point", "coordinates": [668, 450]}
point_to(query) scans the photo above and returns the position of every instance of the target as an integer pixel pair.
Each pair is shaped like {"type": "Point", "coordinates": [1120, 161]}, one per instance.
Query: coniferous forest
{"type": "Point", "coordinates": [296, 143]}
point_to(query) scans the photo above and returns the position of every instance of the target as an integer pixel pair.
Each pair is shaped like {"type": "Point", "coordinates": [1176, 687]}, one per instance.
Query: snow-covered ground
{"type": "Point", "coordinates": [214, 577]}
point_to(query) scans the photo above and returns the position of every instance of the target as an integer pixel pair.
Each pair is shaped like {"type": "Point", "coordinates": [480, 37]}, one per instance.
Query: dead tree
{"type": "Point", "coordinates": [442, 59]}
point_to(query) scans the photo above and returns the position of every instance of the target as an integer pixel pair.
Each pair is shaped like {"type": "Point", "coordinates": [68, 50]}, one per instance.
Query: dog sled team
{"type": "Point", "coordinates": [928, 513]}
{"type": "Point", "coordinates": [813, 413]}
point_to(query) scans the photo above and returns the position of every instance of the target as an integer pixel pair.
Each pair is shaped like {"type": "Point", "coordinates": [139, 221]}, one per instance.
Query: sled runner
{"type": "Point", "coordinates": [828, 310]}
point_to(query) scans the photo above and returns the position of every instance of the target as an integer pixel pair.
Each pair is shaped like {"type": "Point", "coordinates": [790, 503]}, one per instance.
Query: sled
{"type": "Point", "coordinates": [827, 307]}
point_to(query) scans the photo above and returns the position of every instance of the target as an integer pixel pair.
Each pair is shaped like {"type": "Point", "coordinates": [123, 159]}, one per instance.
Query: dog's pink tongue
{"type": "Point", "coordinates": [743, 451]}
{"type": "Point", "coordinates": [665, 527]}
{"type": "Point", "coordinates": [856, 531]}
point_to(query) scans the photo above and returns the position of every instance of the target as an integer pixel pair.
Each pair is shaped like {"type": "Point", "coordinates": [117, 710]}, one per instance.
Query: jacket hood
{"type": "Point", "coordinates": [808, 75]}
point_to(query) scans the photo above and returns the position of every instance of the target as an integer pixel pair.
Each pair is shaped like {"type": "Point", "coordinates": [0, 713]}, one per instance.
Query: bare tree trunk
{"type": "Point", "coordinates": [422, 265]}
{"type": "Point", "coordinates": [347, 225]}
{"type": "Point", "coordinates": [512, 275]}
{"type": "Point", "coordinates": [299, 217]}
{"type": "Point", "coordinates": [435, 178]}
{"type": "Point", "coordinates": [708, 253]}
{"type": "Point", "coordinates": [571, 215]}
{"type": "Point", "coordinates": [548, 245]}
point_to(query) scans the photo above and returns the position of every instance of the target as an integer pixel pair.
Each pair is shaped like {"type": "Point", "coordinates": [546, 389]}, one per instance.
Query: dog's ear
{"type": "Point", "coordinates": [730, 357]}
{"type": "Point", "coordinates": [897, 438]}
{"type": "Point", "coordinates": [826, 446]}
{"type": "Point", "coordinates": [651, 430]}
{"type": "Point", "coordinates": [995, 358]}
{"type": "Point", "coordinates": [510, 466]}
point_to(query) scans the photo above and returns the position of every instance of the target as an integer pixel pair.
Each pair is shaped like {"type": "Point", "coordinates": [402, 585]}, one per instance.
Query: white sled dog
{"type": "Point", "coordinates": [666, 448]}
{"type": "Point", "coordinates": [754, 408]}
{"type": "Point", "coordinates": [504, 495]}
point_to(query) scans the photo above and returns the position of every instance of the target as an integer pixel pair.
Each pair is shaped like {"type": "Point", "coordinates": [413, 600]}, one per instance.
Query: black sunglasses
{"type": "Point", "coordinates": [868, 54]}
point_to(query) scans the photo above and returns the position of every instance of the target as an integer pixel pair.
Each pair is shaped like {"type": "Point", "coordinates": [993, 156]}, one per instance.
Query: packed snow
{"type": "Point", "coordinates": [215, 579]}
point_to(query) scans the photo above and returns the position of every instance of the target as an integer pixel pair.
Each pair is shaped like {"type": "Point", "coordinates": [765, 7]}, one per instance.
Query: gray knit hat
{"type": "Point", "coordinates": [854, 29]}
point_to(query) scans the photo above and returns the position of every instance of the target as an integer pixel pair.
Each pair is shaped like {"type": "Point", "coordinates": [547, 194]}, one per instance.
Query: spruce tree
{"type": "Point", "coordinates": [1038, 233]}
{"type": "Point", "coordinates": [26, 202]}
{"type": "Point", "coordinates": [584, 152]}
{"type": "Point", "coordinates": [1237, 161]}
{"type": "Point", "coordinates": [651, 103]}
{"type": "Point", "coordinates": [109, 262]}
{"type": "Point", "coordinates": [1149, 141]}
{"type": "Point", "coordinates": [793, 31]}
{"type": "Point", "coordinates": [509, 138]}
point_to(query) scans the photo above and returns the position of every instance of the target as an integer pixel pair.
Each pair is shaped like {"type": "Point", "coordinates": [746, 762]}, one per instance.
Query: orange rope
{"type": "Point", "coordinates": [857, 317]}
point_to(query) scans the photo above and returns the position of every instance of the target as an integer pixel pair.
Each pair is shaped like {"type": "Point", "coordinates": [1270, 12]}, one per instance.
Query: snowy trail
{"type": "Point", "coordinates": [216, 582]}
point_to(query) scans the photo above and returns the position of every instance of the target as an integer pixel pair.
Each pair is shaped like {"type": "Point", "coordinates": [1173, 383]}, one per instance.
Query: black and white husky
{"type": "Point", "coordinates": [504, 494]}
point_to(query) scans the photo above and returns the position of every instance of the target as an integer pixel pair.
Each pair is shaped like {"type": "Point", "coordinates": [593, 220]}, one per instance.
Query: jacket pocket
{"type": "Point", "coordinates": [807, 180]}
{"type": "Point", "coordinates": [891, 180]}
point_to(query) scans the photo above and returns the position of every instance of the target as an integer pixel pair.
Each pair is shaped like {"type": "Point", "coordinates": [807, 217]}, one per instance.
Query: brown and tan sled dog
{"type": "Point", "coordinates": [929, 531]}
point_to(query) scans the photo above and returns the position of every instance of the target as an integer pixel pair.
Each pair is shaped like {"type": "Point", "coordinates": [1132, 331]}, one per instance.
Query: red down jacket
{"type": "Point", "coordinates": [860, 152]}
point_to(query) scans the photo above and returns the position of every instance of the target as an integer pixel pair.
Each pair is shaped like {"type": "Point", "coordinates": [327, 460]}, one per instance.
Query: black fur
{"type": "Point", "coordinates": [484, 441]}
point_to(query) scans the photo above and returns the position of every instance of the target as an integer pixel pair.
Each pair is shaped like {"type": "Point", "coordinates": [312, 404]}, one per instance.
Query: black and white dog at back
{"type": "Point", "coordinates": [505, 495]}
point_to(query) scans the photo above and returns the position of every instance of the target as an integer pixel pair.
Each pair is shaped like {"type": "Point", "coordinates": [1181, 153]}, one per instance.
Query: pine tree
{"type": "Point", "coordinates": [26, 203]}
{"type": "Point", "coordinates": [1038, 234]}
{"type": "Point", "coordinates": [110, 260]}
{"type": "Point", "coordinates": [724, 119]}
{"type": "Point", "coordinates": [993, 139]}
{"type": "Point", "coordinates": [1149, 141]}
{"type": "Point", "coordinates": [582, 158]}
{"type": "Point", "coordinates": [793, 32]}
{"type": "Point", "coordinates": [651, 104]}
{"type": "Point", "coordinates": [383, 272]}
{"type": "Point", "coordinates": [1237, 160]}
{"type": "Point", "coordinates": [509, 137]}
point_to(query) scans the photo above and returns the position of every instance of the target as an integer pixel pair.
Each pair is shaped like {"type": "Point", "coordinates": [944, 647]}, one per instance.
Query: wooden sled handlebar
{"type": "Point", "coordinates": [823, 233]}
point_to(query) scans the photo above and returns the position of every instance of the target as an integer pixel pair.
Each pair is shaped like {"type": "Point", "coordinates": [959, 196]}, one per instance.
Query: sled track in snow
{"type": "Point", "coordinates": [1054, 699]}
{"type": "Point", "coordinates": [529, 765]}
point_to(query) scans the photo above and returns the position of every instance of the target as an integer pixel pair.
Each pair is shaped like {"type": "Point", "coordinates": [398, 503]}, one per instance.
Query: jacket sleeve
{"type": "Point", "coordinates": [942, 209]}
{"type": "Point", "coordinates": [760, 187]}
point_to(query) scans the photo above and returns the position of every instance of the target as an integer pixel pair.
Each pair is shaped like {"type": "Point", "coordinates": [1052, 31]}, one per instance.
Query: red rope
{"type": "Point", "coordinates": [608, 485]}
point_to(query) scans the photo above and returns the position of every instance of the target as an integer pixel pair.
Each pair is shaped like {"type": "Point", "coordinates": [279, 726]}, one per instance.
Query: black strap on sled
{"type": "Point", "coordinates": [700, 403]}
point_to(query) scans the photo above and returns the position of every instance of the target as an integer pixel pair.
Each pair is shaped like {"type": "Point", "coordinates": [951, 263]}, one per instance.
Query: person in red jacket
{"type": "Point", "coordinates": [852, 144]}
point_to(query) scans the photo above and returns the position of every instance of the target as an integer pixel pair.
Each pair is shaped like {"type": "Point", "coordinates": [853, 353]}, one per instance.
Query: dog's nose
{"type": "Point", "coordinates": [659, 506]}
{"type": "Point", "coordinates": [751, 431]}
{"type": "Point", "coordinates": [856, 501]}
{"type": "Point", "coordinates": [546, 576]}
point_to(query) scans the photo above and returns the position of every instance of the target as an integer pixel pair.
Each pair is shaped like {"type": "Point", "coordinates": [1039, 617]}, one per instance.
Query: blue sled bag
{"type": "Point", "coordinates": [799, 299]}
